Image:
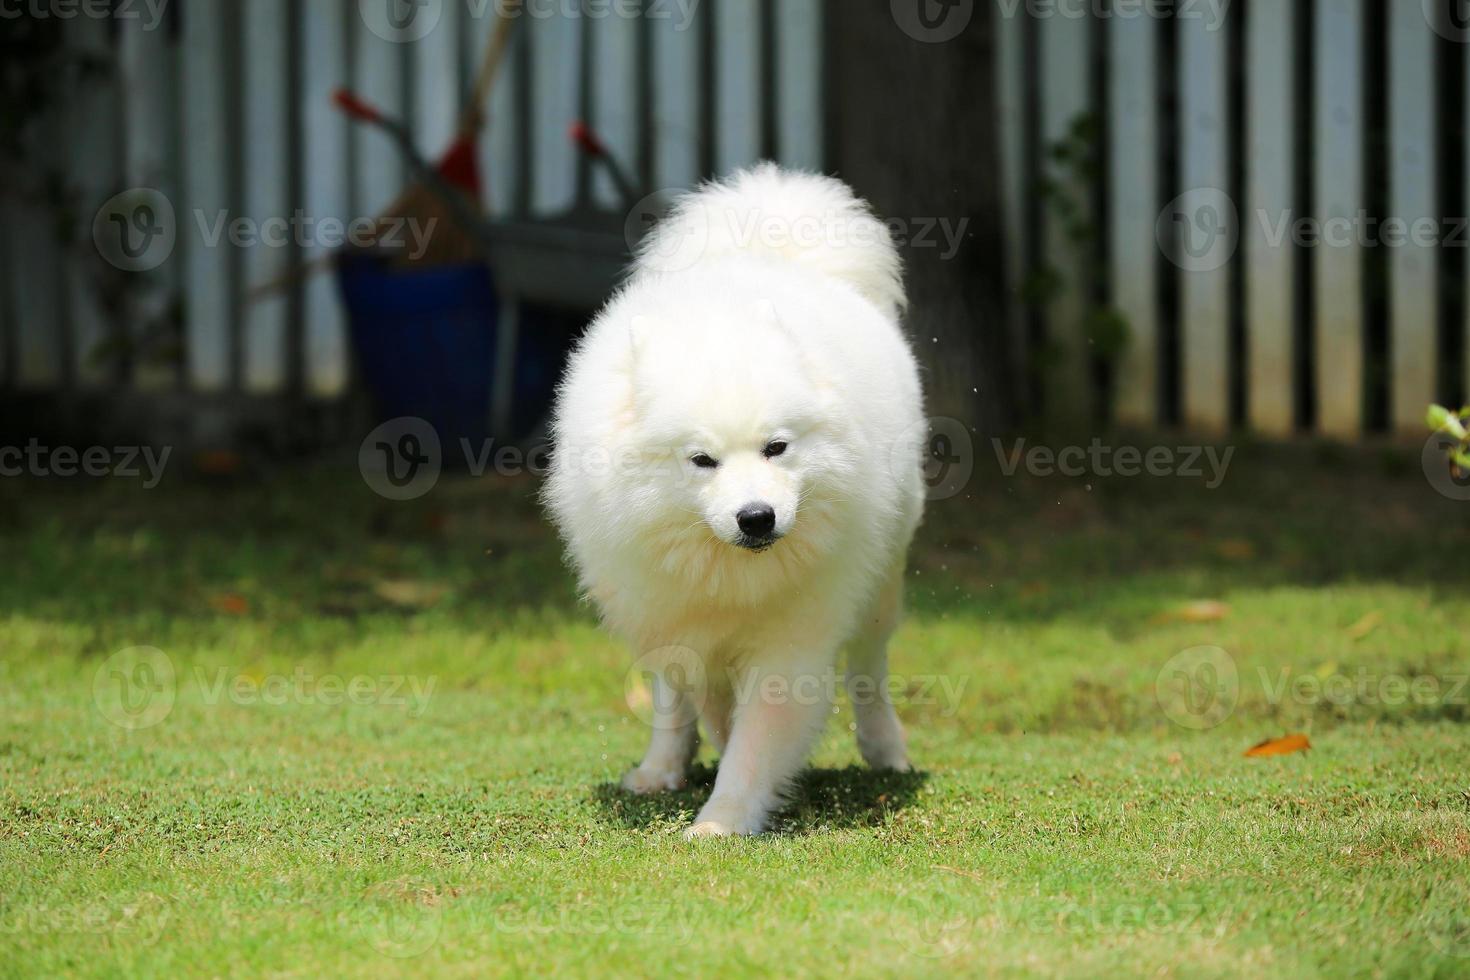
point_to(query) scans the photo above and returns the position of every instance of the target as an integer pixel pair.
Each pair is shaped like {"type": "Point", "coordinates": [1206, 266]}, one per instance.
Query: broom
{"type": "Point", "coordinates": [424, 200]}
{"type": "Point", "coordinates": [451, 241]}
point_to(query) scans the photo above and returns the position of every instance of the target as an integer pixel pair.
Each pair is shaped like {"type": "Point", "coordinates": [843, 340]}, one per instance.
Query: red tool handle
{"type": "Point", "coordinates": [588, 141]}
{"type": "Point", "coordinates": [355, 107]}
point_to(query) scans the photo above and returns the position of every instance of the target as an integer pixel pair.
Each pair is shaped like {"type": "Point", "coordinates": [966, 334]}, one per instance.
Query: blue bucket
{"type": "Point", "coordinates": [425, 342]}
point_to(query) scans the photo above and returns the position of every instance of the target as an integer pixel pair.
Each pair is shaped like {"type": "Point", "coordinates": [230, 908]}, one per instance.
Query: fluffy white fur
{"type": "Point", "coordinates": [763, 311]}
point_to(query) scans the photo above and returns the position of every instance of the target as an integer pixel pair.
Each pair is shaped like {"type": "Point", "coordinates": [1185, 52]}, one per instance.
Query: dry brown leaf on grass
{"type": "Point", "coordinates": [218, 462]}
{"type": "Point", "coordinates": [1236, 549]}
{"type": "Point", "coordinates": [230, 604]}
{"type": "Point", "coordinates": [1366, 625]}
{"type": "Point", "coordinates": [409, 594]}
{"type": "Point", "coordinates": [1200, 611]}
{"type": "Point", "coordinates": [959, 871]}
{"type": "Point", "coordinates": [1285, 745]}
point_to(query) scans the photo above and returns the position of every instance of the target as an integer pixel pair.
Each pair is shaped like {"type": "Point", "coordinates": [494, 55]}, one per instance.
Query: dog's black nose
{"type": "Point", "coordinates": [757, 520]}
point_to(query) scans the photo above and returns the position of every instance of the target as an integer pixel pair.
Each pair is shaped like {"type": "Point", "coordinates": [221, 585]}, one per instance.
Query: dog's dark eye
{"type": "Point", "coordinates": [704, 461]}
{"type": "Point", "coordinates": [775, 449]}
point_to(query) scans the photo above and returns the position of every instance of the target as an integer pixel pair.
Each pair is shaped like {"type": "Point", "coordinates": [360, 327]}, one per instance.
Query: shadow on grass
{"type": "Point", "coordinates": [821, 800]}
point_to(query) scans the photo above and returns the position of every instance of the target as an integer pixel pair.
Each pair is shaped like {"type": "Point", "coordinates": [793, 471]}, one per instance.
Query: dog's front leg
{"type": "Point", "coordinates": [674, 742]}
{"type": "Point", "coordinates": [778, 714]}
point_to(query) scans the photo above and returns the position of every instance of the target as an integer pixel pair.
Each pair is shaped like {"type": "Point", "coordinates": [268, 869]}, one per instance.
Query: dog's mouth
{"type": "Point", "coordinates": [755, 544]}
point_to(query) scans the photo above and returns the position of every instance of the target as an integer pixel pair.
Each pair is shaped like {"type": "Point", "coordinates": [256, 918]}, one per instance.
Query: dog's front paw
{"type": "Point", "coordinates": [721, 818]}
{"type": "Point", "coordinates": [645, 781]}
{"type": "Point", "coordinates": [891, 756]}
{"type": "Point", "coordinates": [883, 745]}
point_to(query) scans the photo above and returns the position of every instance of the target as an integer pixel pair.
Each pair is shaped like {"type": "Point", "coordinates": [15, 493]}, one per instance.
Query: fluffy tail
{"type": "Point", "coordinates": [816, 222]}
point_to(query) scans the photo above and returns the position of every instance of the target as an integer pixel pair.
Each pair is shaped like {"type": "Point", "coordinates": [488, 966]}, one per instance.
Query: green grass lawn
{"type": "Point", "coordinates": [391, 741]}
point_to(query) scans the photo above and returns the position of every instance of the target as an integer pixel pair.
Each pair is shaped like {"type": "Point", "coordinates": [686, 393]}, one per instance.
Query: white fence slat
{"type": "Point", "coordinates": [499, 141]}
{"type": "Point", "coordinates": [265, 32]}
{"type": "Point", "coordinates": [1414, 274]}
{"type": "Point", "coordinates": [8, 301]}
{"type": "Point", "coordinates": [325, 152]}
{"type": "Point", "coordinates": [92, 133]}
{"type": "Point", "coordinates": [1270, 287]}
{"type": "Point", "coordinates": [614, 116]}
{"type": "Point", "coordinates": [738, 72]}
{"type": "Point", "coordinates": [35, 270]}
{"type": "Point", "coordinates": [675, 101]}
{"type": "Point", "coordinates": [556, 44]}
{"type": "Point", "coordinates": [150, 108]}
{"type": "Point", "coordinates": [1133, 195]}
{"type": "Point", "coordinates": [377, 77]}
{"type": "Point", "coordinates": [1010, 87]}
{"type": "Point", "coordinates": [208, 296]}
{"type": "Point", "coordinates": [1339, 181]}
{"type": "Point", "coordinates": [1204, 164]}
{"type": "Point", "coordinates": [7, 297]}
{"type": "Point", "coordinates": [799, 67]}
{"type": "Point", "coordinates": [1066, 95]}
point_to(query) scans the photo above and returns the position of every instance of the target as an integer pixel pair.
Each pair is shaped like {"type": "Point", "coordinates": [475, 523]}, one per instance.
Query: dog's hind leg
{"type": "Point", "coordinates": [674, 742]}
{"type": "Point", "coordinates": [880, 735]}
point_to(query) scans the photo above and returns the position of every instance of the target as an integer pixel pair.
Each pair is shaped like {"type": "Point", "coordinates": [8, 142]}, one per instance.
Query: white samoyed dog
{"type": "Point", "coordinates": [737, 474]}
